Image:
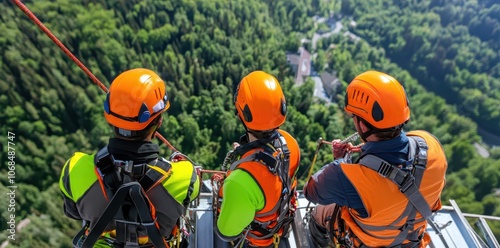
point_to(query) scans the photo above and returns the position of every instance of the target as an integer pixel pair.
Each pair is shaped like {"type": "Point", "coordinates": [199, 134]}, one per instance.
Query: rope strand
{"type": "Point", "coordinates": [54, 39]}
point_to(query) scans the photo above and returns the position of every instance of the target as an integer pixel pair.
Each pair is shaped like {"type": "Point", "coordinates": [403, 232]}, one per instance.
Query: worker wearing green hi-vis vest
{"type": "Point", "coordinates": [127, 194]}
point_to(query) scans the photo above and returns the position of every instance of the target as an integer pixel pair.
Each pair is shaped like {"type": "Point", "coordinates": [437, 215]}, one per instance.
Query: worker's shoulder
{"type": "Point", "coordinates": [78, 171]}
{"type": "Point", "coordinates": [430, 139]}
{"type": "Point", "coordinates": [79, 160]}
{"type": "Point", "coordinates": [420, 133]}
{"type": "Point", "coordinates": [241, 177]}
{"type": "Point", "coordinates": [181, 170]}
{"type": "Point", "coordinates": [181, 179]}
{"type": "Point", "coordinates": [288, 137]}
{"type": "Point", "coordinates": [180, 165]}
{"type": "Point", "coordinates": [82, 155]}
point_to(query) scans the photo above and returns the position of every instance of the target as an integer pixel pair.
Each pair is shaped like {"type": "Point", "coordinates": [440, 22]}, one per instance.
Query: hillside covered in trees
{"type": "Point", "coordinates": [446, 53]}
{"type": "Point", "coordinates": [450, 46]}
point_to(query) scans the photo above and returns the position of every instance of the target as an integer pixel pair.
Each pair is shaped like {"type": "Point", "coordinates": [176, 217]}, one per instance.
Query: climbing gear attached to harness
{"type": "Point", "coordinates": [276, 240]}
{"type": "Point", "coordinates": [408, 180]}
{"type": "Point", "coordinates": [332, 232]}
{"type": "Point", "coordinates": [273, 153]}
{"type": "Point", "coordinates": [319, 234]}
{"type": "Point", "coordinates": [125, 229]}
{"type": "Point", "coordinates": [129, 208]}
{"type": "Point", "coordinates": [339, 233]}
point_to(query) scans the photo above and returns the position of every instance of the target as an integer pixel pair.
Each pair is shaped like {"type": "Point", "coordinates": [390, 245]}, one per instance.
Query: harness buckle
{"type": "Point", "coordinates": [407, 183]}
{"type": "Point", "coordinates": [408, 225]}
{"type": "Point", "coordinates": [385, 169]}
{"type": "Point", "coordinates": [128, 166]}
{"type": "Point", "coordinates": [269, 160]}
{"type": "Point", "coordinates": [133, 170]}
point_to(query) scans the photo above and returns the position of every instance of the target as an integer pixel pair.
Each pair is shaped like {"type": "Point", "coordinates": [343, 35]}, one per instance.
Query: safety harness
{"type": "Point", "coordinates": [129, 208]}
{"type": "Point", "coordinates": [275, 155]}
{"type": "Point", "coordinates": [408, 180]}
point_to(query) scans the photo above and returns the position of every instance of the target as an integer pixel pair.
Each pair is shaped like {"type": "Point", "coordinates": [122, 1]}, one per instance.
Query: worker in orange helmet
{"type": "Point", "coordinates": [384, 198]}
{"type": "Point", "coordinates": [258, 195]}
{"type": "Point", "coordinates": [126, 194]}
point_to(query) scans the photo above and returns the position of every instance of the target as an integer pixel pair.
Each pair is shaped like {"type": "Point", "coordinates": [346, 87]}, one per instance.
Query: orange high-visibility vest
{"type": "Point", "coordinates": [271, 187]}
{"type": "Point", "coordinates": [385, 203]}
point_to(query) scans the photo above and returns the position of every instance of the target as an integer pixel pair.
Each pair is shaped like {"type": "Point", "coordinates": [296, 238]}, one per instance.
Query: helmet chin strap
{"type": "Point", "coordinates": [246, 128]}
{"type": "Point", "coordinates": [372, 130]}
{"type": "Point", "coordinates": [366, 134]}
{"type": "Point", "coordinates": [257, 134]}
{"type": "Point", "coordinates": [154, 132]}
{"type": "Point", "coordinates": [156, 126]}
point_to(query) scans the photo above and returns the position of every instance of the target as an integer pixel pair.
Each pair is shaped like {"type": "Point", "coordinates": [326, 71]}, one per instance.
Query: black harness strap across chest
{"type": "Point", "coordinates": [127, 183]}
{"type": "Point", "coordinates": [134, 192]}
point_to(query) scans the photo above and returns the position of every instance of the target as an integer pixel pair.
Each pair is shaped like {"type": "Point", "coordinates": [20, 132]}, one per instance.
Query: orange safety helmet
{"type": "Point", "coordinates": [260, 102]}
{"type": "Point", "coordinates": [134, 99]}
{"type": "Point", "coordinates": [377, 98]}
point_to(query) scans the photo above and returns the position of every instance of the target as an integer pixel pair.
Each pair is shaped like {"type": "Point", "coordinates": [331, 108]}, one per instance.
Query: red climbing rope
{"type": "Point", "coordinates": [59, 43]}
{"type": "Point", "coordinates": [73, 57]}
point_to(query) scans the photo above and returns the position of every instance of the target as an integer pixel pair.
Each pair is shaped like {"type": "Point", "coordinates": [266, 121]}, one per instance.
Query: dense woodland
{"type": "Point", "coordinates": [446, 53]}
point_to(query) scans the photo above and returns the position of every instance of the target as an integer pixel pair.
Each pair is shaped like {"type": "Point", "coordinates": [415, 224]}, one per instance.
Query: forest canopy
{"type": "Point", "coordinates": [445, 53]}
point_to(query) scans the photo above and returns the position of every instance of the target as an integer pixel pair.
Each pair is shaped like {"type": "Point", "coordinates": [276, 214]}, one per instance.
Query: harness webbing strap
{"type": "Point", "coordinates": [262, 157]}
{"type": "Point", "coordinates": [240, 161]}
{"type": "Point", "coordinates": [409, 183]}
{"type": "Point", "coordinates": [267, 233]}
{"type": "Point", "coordinates": [132, 191]}
{"type": "Point", "coordinates": [80, 234]}
{"type": "Point", "coordinates": [122, 208]}
{"type": "Point", "coordinates": [126, 231]}
{"type": "Point", "coordinates": [278, 165]}
{"type": "Point", "coordinates": [147, 221]}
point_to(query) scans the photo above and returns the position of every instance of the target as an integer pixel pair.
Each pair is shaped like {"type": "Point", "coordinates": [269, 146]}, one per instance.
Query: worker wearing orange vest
{"type": "Point", "coordinates": [126, 193]}
{"type": "Point", "coordinates": [384, 198]}
{"type": "Point", "coordinates": [258, 195]}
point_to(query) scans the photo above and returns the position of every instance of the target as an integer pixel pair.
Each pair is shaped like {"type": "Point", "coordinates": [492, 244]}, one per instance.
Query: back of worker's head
{"type": "Point", "coordinates": [378, 99]}
{"type": "Point", "coordinates": [134, 103]}
{"type": "Point", "coordinates": [260, 102]}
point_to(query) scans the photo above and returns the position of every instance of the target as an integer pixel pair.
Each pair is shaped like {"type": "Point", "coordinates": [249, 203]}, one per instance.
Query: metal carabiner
{"type": "Point", "coordinates": [276, 240]}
